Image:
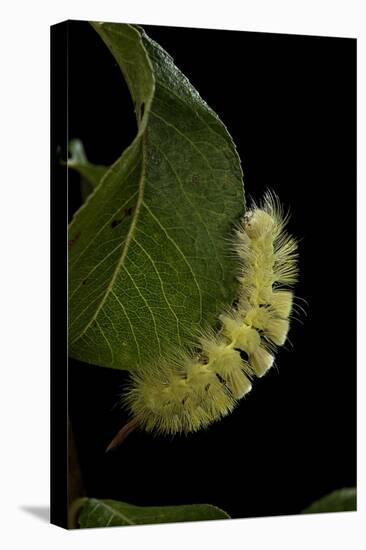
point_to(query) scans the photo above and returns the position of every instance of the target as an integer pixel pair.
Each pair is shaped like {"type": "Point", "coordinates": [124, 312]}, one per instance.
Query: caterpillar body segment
{"type": "Point", "coordinates": [186, 393]}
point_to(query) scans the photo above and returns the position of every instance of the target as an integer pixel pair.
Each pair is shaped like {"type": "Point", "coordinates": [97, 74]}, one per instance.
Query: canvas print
{"type": "Point", "coordinates": [204, 355]}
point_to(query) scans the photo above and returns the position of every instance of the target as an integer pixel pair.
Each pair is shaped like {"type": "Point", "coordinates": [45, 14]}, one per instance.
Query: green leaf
{"type": "Point", "coordinates": [148, 254]}
{"type": "Point", "coordinates": [91, 173]}
{"type": "Point", "coordinates": [342, 500]}
{"type": "Point", "coordinates": [90, 512]}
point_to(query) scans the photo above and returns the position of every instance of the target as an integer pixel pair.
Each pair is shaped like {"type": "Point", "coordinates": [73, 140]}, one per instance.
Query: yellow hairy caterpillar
{"type": "Point", "coordinates": [190, 391]}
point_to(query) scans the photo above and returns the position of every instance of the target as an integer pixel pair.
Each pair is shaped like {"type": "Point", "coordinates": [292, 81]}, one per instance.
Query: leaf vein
{"type": "Point", "coordinates": [186, 138]}
{"type": "Point", "coordinates": [106, 339]}
{"type": "Point", "coordinates": [147, 305]}
{"type": "Point", "coordinates": [103, 226]}
{"type": "Point", "coordinates": [180, 252]}
{"type": "Point", "coordinates": [127, 244]}
{"type": "Point", "coordinates": [161, 286]}
{"type": "Point", "coordinates": [96, 267]}
{"type": "Point", "coordinates": [130, 323]}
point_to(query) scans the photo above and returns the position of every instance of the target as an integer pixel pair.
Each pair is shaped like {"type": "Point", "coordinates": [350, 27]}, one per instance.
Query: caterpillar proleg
{"type": "Point", "coordinates": [190, 391]}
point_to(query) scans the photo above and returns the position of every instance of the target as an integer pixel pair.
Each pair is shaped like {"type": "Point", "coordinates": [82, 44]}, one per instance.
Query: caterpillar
{"type": "Point", "coordinates": [191, 390]}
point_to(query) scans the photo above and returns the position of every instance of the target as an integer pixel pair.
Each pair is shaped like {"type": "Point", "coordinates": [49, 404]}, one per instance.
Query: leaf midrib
{"type": "Point", "coordinates": [128, 240]}
{"type": "Point", "coordinates": [116, 513]}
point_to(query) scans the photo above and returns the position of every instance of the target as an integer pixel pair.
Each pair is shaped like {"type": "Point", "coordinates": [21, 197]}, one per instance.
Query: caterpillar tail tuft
{"type": "Point", "coordinates": [188, 392]}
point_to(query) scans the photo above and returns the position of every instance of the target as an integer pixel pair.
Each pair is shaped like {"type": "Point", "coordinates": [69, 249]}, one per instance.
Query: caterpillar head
{"type": "Point", "coordinates": [258, 223]}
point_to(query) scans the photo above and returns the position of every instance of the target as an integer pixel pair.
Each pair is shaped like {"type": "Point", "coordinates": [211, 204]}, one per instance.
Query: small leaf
{"type": "Point", "coordinates": [148, 255]}
{"type": "Point", "coordinates": [91, 512]}
{"type": "Point", "coordinates": [91, 173]}
{"type": "Point", "coordinates": [342, 500]}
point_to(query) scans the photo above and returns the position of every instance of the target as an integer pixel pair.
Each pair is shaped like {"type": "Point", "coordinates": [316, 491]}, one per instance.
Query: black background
{"type": "Point", "coordinates": [289, 104]}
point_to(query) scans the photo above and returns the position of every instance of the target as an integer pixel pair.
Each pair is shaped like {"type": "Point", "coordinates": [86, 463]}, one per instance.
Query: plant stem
{"type": "Point", "coordinates": [123, 433]}
{"type": "Point", "coordinates": [76, 487]}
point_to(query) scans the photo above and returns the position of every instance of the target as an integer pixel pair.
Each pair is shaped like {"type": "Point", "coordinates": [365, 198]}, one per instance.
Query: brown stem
{"type": "Point", "coordinates": [76, 487]}
{"type": "Point", "coordinates": [123, 433]}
